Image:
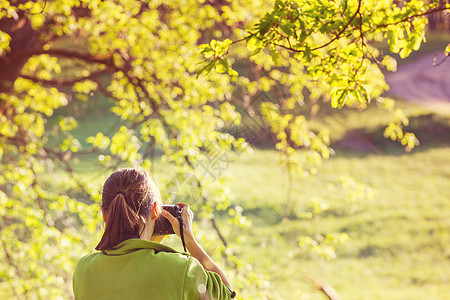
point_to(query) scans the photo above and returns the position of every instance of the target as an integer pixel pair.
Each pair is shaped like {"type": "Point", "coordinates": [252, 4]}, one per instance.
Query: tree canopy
{"type": "Point", "coordinates": [180, 76]}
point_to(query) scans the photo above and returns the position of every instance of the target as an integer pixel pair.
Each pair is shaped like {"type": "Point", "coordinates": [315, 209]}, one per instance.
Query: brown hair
{"type": "Point", "coordinates": [128, 198]}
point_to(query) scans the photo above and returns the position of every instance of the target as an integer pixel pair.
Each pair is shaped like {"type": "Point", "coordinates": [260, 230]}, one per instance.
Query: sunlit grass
{"type": "Point", "coordinates": [397, 247]}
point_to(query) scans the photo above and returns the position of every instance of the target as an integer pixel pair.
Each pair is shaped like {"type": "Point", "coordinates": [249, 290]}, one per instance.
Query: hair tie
{"type": "Point", "coordinates": [123, 193]}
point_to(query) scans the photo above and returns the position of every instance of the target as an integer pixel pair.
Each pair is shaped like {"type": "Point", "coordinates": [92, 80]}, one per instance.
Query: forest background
{"type": "Point", "coordinates": [272, 120]}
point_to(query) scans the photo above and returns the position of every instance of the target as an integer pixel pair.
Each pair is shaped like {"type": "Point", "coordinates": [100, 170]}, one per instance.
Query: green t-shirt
{"type": "Point", "coordinates": [139, 269]}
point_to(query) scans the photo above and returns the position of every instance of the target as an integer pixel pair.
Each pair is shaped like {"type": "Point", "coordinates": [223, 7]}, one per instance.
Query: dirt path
{"type": "Point", "coordinates": [419, 82]}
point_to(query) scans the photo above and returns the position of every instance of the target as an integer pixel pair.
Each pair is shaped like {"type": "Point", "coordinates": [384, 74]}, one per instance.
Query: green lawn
{"type": "Point", "coordinates": [398, 236]}
{"type": "Point", "coordinates": [398, 246]}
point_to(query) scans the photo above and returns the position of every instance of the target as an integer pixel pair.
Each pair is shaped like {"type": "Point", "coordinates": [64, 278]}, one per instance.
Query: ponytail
{"type": "Point", "coordinates": [128, 197]}
{"type": "Point", "coordinates": [123, 222]}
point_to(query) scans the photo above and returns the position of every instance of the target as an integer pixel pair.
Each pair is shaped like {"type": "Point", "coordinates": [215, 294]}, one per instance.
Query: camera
{"type": "Point", "coordinates": [162, 225]}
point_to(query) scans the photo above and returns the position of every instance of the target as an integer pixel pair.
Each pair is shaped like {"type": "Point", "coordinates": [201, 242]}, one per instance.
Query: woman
{"type": "Point", "coordinates": [131, 264]}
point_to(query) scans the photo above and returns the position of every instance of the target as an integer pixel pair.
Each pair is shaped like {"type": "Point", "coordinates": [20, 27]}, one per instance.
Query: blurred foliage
{"type": "Point", "coordinates": [145, 57]}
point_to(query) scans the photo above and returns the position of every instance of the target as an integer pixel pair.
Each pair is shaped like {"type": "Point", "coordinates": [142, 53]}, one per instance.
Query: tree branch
{"type": "Point", "coordinates": [338, 36]}
{"type": "Point", "coordinates": [288, 48]}
{"type": "Point", "coordinates": [10, 261]}
{"type": "Point", "coordinates": [441, 62]}
{"type": "Point", "coordinates": [106, 60]}
{"type": "Point", "coordinates": [428, 12]}
{"type": "Point", "coordinates": [211, 218]}
{"type": "Point", "coordinates": [60, 82]}
{"type": "Point", "coordinates": [104, 90]}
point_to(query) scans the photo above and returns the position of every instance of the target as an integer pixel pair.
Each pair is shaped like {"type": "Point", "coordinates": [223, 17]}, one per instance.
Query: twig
{"type": "Point", "coordinates": [219, 233]}
{"type": "Point", "coordinates": [11, 263]}
{"type": "Point", "coordinates": [238, 41]}
{"type": "Point", "coordinates": [428, 12]}
{"type": "Point", "coordinates": [441, 62]}
{"type": "Point", "coordinates": [205, 201]}
{"type": "Point", "coordinates": [324, 287]}
{"type": "Point", "coordinates": [288, 48]}
{"type": "Point", "coordinates": [338, 36]}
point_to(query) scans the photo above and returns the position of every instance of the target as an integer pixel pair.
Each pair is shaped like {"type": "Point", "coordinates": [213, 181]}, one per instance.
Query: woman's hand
{"type": "Point", "coordinates": [191, 244]}
{"type": "Point", "coordinates": [187, 216]}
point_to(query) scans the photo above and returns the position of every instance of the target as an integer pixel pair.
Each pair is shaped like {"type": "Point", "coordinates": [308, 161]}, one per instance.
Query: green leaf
{"type": "Point", "coordinates": [416, 42]}
{"type": "Point", "coordinates": [100, 141]}
{"type": "Point", "coordinates": [364, 91]}
{"type": "Point", "coordinates": [287, 28]}
{"type": "Point", "coordinates": [207, 68]}
{"type": "Point", "coordinates": [338, 100]}
{"type": "Point", "coordinates": [222, 66]}
{"type": "Point", "coordinates": [274, 53]}
{"type": "Point", "coordinates": [254, 44]}
{"type": "Point", "coordinates": [307, 54]}
{"type": "Point", "coordinates": [394, 41]}
{"type": "Point", "coordinates": [265, 24]}
{"type": "Point", "coordinates": [390, 63]}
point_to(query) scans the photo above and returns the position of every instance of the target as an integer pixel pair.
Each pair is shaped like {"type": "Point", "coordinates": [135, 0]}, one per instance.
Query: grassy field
{"type": "Point", "coordinates": [398, 229]}
{"type": "Point", "coordinates": [398, 245]}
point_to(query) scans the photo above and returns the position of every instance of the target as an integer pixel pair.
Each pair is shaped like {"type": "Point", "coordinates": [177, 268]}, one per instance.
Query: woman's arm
{"type": "Point", "coordinates": [197, 251]}
{"type": "Point", "coordinates": [192, 245]}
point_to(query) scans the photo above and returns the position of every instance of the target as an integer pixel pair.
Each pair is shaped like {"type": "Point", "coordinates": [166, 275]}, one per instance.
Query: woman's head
{"type": "Point", "coordinates": [129, 197]}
